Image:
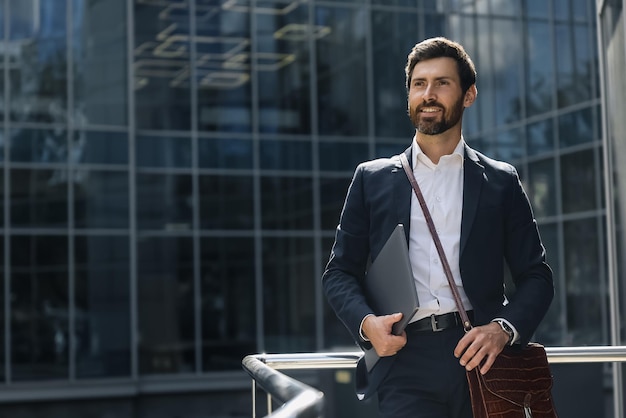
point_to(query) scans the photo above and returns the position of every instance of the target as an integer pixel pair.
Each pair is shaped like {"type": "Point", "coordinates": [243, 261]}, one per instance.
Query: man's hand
{"type": "Point", "coordinates": [480, 346]}
{"type": "Point", "coordinates": [378, 330]}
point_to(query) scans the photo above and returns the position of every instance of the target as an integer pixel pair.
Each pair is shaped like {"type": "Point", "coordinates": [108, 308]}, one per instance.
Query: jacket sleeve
{"type": "Point", "coordinates": [344, 274]}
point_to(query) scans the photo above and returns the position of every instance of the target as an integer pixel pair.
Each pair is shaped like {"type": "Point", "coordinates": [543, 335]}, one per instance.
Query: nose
{"type": "Point", "coordinates": [429, 93]}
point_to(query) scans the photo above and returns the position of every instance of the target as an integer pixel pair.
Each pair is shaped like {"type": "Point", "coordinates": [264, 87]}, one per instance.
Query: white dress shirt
{"type": "Point", "coordinates": [442, 187]}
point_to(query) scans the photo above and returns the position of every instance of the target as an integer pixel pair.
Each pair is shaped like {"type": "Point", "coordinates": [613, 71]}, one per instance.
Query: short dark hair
{"type": "Point", "coordinates": [437, 48]}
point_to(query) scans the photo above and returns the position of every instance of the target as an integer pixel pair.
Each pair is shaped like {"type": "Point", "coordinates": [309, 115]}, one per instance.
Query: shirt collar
{"type": "Point", "coordinates": [418, 154]}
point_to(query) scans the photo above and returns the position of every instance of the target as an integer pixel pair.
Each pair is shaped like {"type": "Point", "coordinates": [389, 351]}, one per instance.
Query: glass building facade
{"type": "Point", "coordinates": [172, 173]}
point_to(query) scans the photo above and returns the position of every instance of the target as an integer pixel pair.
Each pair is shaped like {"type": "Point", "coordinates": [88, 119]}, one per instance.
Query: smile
{"type": "Point", "coordinates": [430, 109]}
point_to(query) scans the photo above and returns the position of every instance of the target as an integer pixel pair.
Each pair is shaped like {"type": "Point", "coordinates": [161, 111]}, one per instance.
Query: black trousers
{"type": "Point", "coordinates": [426, 380]}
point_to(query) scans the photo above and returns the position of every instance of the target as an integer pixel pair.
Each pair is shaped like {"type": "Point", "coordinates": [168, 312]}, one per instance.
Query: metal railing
{"type": "Point", "coordinates": [302, 401]}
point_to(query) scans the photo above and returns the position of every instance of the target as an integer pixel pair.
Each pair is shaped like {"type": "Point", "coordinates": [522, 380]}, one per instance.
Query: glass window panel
{"type": "Point", "coordinates": [285, 155]}
{"type": "Point", "coordinates": [561, 9]}
{"type": "Point", "coordinates": [228, 301]}
{"type": "Point", "coordinates": [225, 153]}
{"type": "Point", "coordinates": [165, 305]}
{"type": "Point", "coordinates": [156, 151]}
{"type": "Point", "coordinates": [289, 294]}
{"type": "Point", "coordinates": [38, 198]}
{"type": "Point", "coordinates": [161, 65]}
{"type": "Point", "coordinates": [282, 64]}
{"type": "Point", "coordinates": [102, 306]}
{"type": "Point", "coordinates": [584, 285]}
{"type": "Point", "coordinates": [506, 69]}
{"type": "Point", "coordinates": [537, 8]}
{"type": "Point", "coordinates": [434, 24]}
{"type": "Point", "coordinates": [510, 144]}
{"type": "Point", "coordinates": [581, 9]}
{"type": "Point", "coordinates": [223, 69]}
{"type": "Point", "coordinates": [385, 150]}
{"type": "Point", "coordinates": [541, 187]}
{"type": "Point", "coordinates": [506, 8]}
{"type": "Point", "coordinates": [226, 202]}
{"type": "Point", "coordinates": [396, 34]}
{"type": "Point", "coordinates": [566, 88]}
{"type": "Point", "coordinates": [578, 176]}
{"type": "Point", "coordinates": [286, 203]}
{"type": "Point", "coordinates": [38, 145]}
{"type": "Point", "coordinates": [39, 308]}
{"type": "Point", "coordinates": [403, 3]}
{"type": "Point", "coordinates": [99, 62]}
{"type": "Point", "coordinates": [341, 73]}
{"type": "Point", "coordinates": [2, 307]}
{"type": "Point", "coordinates": [38, 70]}
{"type": "Point", "coordinates": [164, 201]}
{"type": "Point", "coordinates": [539, 70]}
{"type": "Point", "coordinates": [576, 127]}
{"type": "Point", "coordinates": [332, 195]}
{"type": "Point", "coordinates": [342, 156]}
{"type": "Point", "coordinates": [3, 192]}
{"type": "Point", "coordinates": [551, 328]}
{"type": "Point", "coordinates": [89, 147]}
{"type": "Point", "coordinates": [484, 57]}
{"type": "Point", "coordinates": [101, 199]}
{"type": "Point", "coordinates": [540, 137]}
{"type": "Point", "coordinates": [585, 63]}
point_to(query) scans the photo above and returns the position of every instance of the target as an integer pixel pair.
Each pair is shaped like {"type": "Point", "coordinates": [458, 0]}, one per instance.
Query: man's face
{"type": "Point", "coordinates": [436, 101]}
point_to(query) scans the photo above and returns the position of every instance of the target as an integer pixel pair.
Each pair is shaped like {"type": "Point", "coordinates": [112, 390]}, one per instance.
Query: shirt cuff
{"type": "Point", "coordinates": [363, 337]}
{"type": "Point", "coordinates": [516, 335]}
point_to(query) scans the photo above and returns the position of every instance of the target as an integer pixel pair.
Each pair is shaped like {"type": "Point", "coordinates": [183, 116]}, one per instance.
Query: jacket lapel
{"type": "Point", "coordinates": [473, 175]}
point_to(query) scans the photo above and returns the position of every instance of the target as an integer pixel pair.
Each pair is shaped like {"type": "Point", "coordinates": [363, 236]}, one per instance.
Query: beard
{"type": "Point", "coordinates": [433, 125]}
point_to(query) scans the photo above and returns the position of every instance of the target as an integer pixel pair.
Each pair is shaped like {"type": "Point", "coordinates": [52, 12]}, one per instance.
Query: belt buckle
{"type": "Point", "coordinates": [433, 324]}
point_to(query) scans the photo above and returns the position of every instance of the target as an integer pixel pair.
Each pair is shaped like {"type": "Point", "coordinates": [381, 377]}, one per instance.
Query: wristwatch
{"type": "Point", "coordinates": [506, 328]}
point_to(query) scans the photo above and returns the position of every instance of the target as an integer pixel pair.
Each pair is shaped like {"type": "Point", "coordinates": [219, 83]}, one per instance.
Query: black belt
{"type": "Point", "coordinates": [436, 323]}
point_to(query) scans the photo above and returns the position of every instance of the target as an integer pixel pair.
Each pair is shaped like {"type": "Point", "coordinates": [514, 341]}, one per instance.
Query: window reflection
{"type": "Point", "coordinates": [282, 64]}
{"type": "Point", "coordinates": [285, 155]}
{"type": "Point", "coordinates": [228, 301]}
{"type": "Point", "coordinates": [396, 34]}
{"type": "Point", "coordinates": [342, 156]}
{"type": "Point", "coordinates": [286, 203]}
{"type": "Point", "coordinates": [223, 68]}
{"type": "Point", "coordinates": [99, 62]}
{"type": "Point", "coordinates": [39, 307]}
{"type": "Point", "coordinates": [163, 151]}
{"type": "Point", "coordinates": [332, 195]}
{"type": "Point", "coordinates": [161, 65]}
{"type": "Point", "coordinates": [89, 147]}
{"type": "Point", "coordinates": [39, 145]}
{"type": "Point", "coordinates": [166, 312]}
{"type": "Point", "coordinates": [2, 307]}
{"type": "Point", "coordinates": [584, 284]}
{"type": "Point", "coordinates": [226, 202]}
{"type": "Point", "coordinates": [507, 46]}
{"type": "Point", "coordinates": [576, 127]}
{"type": "Point", "coordinates": [541, 187]}
{"type": "Point", "coordinates": [102, 306]}
{"type": "Point", "coordinates": [38, 198]}
{"type": "Point", "coordinates": [288, 294]}
{"type": "Point", "coordinates": [539, 70]}
{"type": "Point", "coordinates": [225, 153]}
{"type": "Point", "coordinates": [101, 199]}
{"type": "Point", "coordinates": [341, 81]}
{"type": "Point", "coordinates": [164, 201]}
{"type": "Point", "coordinates": [38, 70]}
{"type": "Point", "coordinates": [540, 137]}
{"type": "Point", "coordinates": [578, 177]}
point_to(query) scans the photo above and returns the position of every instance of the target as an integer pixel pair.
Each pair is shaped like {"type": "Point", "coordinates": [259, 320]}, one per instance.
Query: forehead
{"type": "Point", "coordinates": [436, 68]}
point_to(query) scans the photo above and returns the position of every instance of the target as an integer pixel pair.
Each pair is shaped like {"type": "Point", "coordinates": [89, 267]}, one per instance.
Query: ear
{"type": "Point", "coordinates": [470, 96]}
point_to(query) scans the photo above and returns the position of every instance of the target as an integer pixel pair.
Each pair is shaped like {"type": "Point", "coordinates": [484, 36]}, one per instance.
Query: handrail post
{"type": "Point", "coordinates": [253, 398]}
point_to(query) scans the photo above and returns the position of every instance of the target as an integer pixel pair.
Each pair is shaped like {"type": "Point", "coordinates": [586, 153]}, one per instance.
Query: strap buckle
{"type": "Point", "coordinates": [434, 325]}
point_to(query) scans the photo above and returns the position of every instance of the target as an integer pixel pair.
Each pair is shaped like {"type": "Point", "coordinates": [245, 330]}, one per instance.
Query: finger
{"type": "Point", "coordinates": [462, 345]}
{"type": "Point", "coordinates": [489, 360]}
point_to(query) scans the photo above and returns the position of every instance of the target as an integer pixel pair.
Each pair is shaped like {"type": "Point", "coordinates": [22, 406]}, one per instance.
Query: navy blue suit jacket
{"type": "Point", "coordinates": [497, 226]}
